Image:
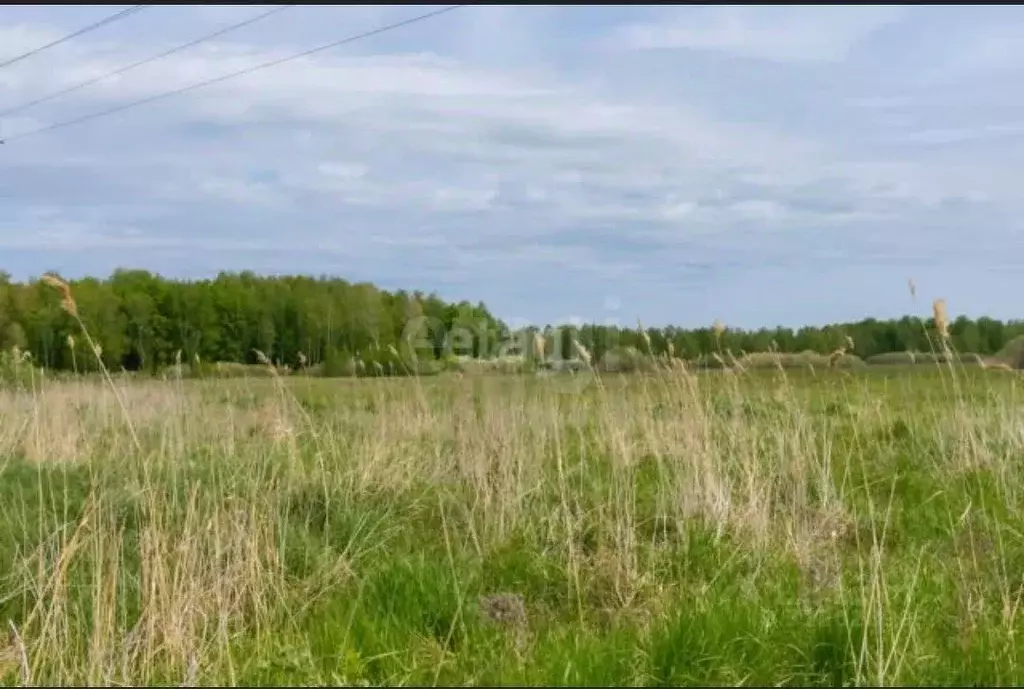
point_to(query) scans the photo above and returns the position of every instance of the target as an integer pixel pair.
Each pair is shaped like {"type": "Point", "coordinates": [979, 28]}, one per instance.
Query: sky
{"type": "Point", "coordinates": [678, 164]}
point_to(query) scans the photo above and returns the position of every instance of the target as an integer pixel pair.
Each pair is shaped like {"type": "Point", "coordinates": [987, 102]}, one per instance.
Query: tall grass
{"type": "Point", "coordinates": [769, 527]}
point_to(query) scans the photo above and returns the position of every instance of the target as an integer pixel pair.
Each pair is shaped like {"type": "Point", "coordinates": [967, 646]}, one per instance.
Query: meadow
{"type": "Point", "coordinates": [825, 527]}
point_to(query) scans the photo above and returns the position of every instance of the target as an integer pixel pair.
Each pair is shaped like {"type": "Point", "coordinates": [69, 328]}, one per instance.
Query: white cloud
{"type": "Point", "coordinates": [343, 171]}
{"type": "Point", "coordinates": [238, 191]}
{"type": "Point", "coordinates": [949, 135]}
{"type": "Point", "coordinates": [783, 34]}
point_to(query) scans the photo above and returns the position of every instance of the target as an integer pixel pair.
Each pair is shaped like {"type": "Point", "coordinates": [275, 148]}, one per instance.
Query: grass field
{"type": "Point", "coordinates": [836, 528]}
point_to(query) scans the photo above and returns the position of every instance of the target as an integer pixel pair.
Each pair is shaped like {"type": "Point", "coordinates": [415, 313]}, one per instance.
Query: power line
{"type": "Point", "coordinates": [232, 75]}
{"type": "Point", "coordinates": [103, 22]}
{"type": "Point", "coordinates": [122, 70]}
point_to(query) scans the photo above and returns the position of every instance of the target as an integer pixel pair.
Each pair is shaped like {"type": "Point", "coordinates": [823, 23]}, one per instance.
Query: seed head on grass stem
{"type": "Point", "coordinates": [644, 336]}
{"type": "Point", "coordinates": [941, 317]}
{"type": "Point", "coordinates": [835, 357]}
{"type": "Point", "coordinates": [718, 328]}
{"type": "Point", "coordinates": [67, 299]}
{"type": "Point", "coordinates": [538, 345]}
{"type": "Point", "coordinates": [69, 305]}
{"type": "Point", "coordinates": [581, 352]}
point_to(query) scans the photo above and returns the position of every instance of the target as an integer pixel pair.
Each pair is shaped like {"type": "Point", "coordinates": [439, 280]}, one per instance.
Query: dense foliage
{"type": "Point", "coordinates": [144, 322]}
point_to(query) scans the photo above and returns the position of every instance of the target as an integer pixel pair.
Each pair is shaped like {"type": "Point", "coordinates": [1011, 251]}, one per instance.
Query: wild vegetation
{"type": "Point", "coordinates": [811, 526]}
{"type": "Point", "coordinates": [142, 322]}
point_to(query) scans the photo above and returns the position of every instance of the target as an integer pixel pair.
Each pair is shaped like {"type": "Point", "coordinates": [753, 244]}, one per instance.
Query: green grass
{"type": "Point", "coordinates": [812, 529]}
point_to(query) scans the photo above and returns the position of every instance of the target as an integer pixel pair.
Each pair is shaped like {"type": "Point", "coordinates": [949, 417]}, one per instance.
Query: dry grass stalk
{"type": "Point", "coordinates": [718, 328]}
{"type": "Point", "coordinates": [538, 346]}
{"type": "Point", "coordinates": [581, 352]}
{"type": "Point", "coordinates": [18, 646]}
{"type": "Point", "coordinates": [404, 360]}
{"type": "Point", "coordinates": [67, 299]}
{"type": "Point", "coordinates": [836, 356]}
{"type": "Point", "coordinates": [8, 658]}
{"type": "Point", "coordinates": [71, 307]}
{"type": "Point", "coordinates": [912, 287]}
{"type": "Point", "coordinates": [941, 317]}
{"type": "Point", "coordinates": [735, 361]}
{"type": "Point", "coordinates": [644, 336]}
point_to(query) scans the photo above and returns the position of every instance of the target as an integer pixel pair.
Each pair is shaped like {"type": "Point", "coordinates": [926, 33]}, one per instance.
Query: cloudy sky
{"type": "Point", "coordinates": [760, 165]}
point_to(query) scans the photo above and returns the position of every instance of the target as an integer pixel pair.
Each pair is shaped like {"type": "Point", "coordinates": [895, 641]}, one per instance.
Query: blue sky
{"type": "Point", "coordinates": [758, 165]}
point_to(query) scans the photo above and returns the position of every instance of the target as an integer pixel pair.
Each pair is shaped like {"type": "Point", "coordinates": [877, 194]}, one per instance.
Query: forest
{"type": "Point", "coordinates": [144, 322]}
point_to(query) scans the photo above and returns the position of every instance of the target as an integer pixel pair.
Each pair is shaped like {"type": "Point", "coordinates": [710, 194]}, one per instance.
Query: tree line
{"type": "Point", "coordinates": [143, 322]}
